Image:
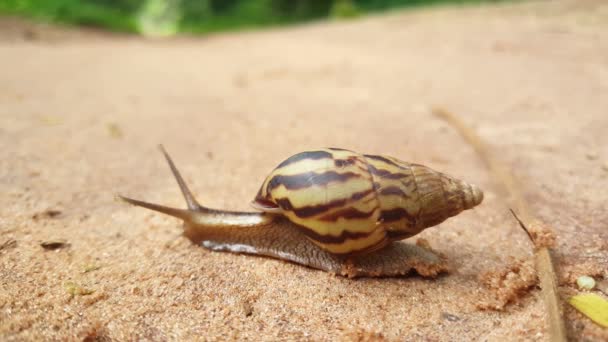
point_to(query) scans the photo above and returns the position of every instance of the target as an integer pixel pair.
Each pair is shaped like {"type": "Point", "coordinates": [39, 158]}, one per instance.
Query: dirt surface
{"type": "Point", "coordinates": [80, 119]}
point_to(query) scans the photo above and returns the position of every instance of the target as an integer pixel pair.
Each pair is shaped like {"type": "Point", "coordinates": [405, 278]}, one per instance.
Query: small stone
{"type": "Point", "coordinates": [247, 308]}
{"type": "Point", "coordinates": [49, 213]}
{"type": "Point", "coordinates": [585, 282]}
{"type": "Point", "coordinates": [450, 317]}
{"type": "Point", "coordinates": [53, 245]}
{"type": "Point", "coordinates": [605, 166]}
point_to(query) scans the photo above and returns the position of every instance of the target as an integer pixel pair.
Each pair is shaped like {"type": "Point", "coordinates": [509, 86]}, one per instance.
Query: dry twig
{"type": "Point", "coordinates": [540, 236]}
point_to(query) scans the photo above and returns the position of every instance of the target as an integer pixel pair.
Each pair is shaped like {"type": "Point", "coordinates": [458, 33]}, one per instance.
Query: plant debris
{"type": "Point", "coordinates": [592, 306]}
{"type": "Point", "coordinates": [53, 245]}
{"type": "Point", "coordinates": [114, 130]}
{"type": "Point", "coordinates": [8, 244]}
{"type": "Point", "coordinates": [247, 308]}
{"type": "Point", "coordinates": [540, 235]}
{"type": "Point", "coordinates": [361, 335]}
{"type": "Point", "coordinates": [90, 268]}
{"type": "Point", "coordinates": [49, 213]}
{"type": "Point", "coordinates": [77, 290]}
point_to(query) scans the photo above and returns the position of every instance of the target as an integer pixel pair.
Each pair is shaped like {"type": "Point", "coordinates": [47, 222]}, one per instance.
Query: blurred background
{"type": "Point", "coordinates": [168, 17]}
{"type": "Point", "coordinates": [86, 97]}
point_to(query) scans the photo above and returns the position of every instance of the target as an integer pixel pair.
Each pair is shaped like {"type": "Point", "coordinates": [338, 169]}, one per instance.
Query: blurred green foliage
{"type": "Point", "coordinates": [196, 16]}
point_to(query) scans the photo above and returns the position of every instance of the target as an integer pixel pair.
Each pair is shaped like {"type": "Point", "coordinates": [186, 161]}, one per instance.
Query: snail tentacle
{"type": "Point", "coordinates": [190, 200]}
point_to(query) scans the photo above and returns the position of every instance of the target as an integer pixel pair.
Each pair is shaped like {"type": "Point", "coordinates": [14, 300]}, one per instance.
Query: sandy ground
{"type": "Point", "coordinates": [81, 115]}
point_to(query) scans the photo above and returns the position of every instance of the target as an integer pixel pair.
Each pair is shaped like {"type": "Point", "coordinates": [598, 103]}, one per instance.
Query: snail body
{"type": "Point", "coordinates": [332, 208]}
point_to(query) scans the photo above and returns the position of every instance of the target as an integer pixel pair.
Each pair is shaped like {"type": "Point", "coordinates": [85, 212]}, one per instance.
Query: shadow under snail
{"type": "Point", "coordinates": [335, 210]}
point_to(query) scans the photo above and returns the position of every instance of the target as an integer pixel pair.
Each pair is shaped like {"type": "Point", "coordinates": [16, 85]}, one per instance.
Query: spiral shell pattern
{"type": "Point", "coordinates": [348, 203]}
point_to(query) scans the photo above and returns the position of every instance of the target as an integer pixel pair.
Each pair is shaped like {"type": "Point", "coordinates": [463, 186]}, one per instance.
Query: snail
{"type": "Point", "coordinates": [335, 210]}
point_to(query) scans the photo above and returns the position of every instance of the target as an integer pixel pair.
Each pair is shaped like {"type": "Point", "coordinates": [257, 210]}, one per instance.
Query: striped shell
{"type": "Point", "coordinates": [350, 203]}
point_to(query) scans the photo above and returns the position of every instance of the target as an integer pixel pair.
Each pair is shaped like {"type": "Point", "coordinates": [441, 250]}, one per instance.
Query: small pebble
{"type": "Point", "coordinates": [605, 166]}
{"type": "Point", "coordinates": [52, 245]}
{"type": "Point", "coordinates": [585, 282]}
{"type": "Point", "coordinates": [450, 317]}
{"type": "Point", "coordinates": [49, 213]}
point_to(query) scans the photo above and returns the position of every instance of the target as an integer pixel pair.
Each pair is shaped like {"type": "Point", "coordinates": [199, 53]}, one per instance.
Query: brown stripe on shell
{"type": "Point", "coordinates": [369, 200]}
{"type": "Point", "coordinates": [345, 162]}
{"type": "Point", "coordinates": [333, 238]}
{"type": "Point", "coordinates": [393, 190]}
{"type": "Point", "coordinates": [396, 214]}
{"type": "Point", "coordinates": [308, 179]}
{"type": "Point", "coordinates": [348, 213]}
{"type": "Point", "coordinates": [315, 155]}
{"type": "Point", "coordinates": [313, 210]}
{"type": "Point", "coordinates": [385, 173]}
{"type": "Point", "coordinates": [383, 159]}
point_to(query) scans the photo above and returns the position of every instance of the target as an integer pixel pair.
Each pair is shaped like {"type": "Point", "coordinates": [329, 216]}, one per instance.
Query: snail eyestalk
{"type": "Point", "coordinates": [190, 200]}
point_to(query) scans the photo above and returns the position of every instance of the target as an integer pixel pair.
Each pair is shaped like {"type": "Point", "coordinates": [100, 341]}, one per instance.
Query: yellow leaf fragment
{"type": "Point", "coordinates": [592, 306]}
{"type": "Point", "coordinates": [50, 120]}
{"type": "Point", "coordinates": [114, 130]}
{"type": "Point", "coordinates": [75, 289]}
{"type": "Point", "coordinates": [90, 267]}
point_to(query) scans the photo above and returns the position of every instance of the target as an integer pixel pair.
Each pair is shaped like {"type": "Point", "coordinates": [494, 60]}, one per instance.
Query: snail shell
{"type": "Point", "coordinates": [351, 203]}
